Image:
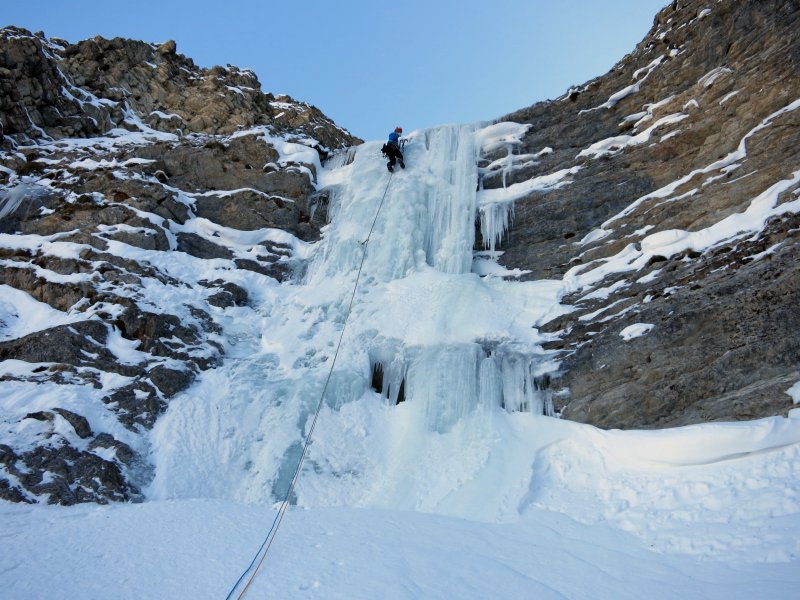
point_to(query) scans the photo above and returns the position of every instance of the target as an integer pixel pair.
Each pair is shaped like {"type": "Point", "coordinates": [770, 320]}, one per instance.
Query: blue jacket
{"type": "Point", "coordinates": [394, 138]}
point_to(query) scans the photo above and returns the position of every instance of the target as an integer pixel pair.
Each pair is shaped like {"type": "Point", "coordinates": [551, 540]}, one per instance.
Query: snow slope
{"type": "Point", "coordinates": [699, 512]}
{"type": "Point", "coordinates": [457, 487]}
{"type": "Point", "coordinates": [197, 548]}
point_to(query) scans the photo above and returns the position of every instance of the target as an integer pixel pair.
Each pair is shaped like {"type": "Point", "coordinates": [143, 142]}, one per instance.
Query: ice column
{"type": "Point", "coordinates": [427, 215]}
{"type": "Point", "coordinates": [451, 381]}
{"type": "Point", "coordinates": [451, 232]}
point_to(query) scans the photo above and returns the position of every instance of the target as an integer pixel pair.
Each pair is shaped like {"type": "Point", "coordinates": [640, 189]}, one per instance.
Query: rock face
{"type": "Point", "coordinates": [53, 88]}
{"type": "Point", "coordinates": [138, 194]}
{"type": "Point", "coordinates": [680, 212]}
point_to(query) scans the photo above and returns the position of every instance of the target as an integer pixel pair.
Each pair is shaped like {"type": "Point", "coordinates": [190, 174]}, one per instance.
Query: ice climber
{"type": "Point", "coordinates": [391, 150]}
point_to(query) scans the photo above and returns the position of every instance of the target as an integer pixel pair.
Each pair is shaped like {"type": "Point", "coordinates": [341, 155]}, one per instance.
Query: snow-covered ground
{"type": "Point", "coordinates": [699, 512]}
{"type": "Point", "coordinates": [198, 548]}
{"type": "Point", "coordinates": [462, 490]}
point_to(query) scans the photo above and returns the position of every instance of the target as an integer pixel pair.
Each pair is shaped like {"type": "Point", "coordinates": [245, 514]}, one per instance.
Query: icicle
{"type": "Point", "coordinates": [495, 221]}
{"type": "Point", "coordinates": [10, 200]}
{"type": "Point", "coordinates": [394, 381]}
{"type": "Point", "coordinates": [490, 392]}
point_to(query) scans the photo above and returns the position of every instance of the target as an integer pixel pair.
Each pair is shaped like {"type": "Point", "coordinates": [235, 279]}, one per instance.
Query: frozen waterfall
{"type": "Point", "coordinates": [433, 356]}
{"type": "Point", "coordinates": [427, 218]}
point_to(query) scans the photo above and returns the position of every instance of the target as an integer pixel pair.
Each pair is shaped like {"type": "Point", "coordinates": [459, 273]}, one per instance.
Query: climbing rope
{"type": "Point", "coordinates": [258, 559]}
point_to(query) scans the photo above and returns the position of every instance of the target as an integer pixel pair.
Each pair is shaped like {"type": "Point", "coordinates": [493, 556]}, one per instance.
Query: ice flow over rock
{"type": "Point", "coordinates": [433, 354]}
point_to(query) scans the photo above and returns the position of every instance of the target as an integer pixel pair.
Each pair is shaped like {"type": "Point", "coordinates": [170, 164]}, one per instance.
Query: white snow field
{"type": "Point", "coordinates": [464, 489]}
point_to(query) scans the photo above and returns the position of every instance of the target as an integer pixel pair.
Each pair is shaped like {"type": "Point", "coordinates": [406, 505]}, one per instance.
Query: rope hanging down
{"type": "Point", "coordinates": [258, 559]}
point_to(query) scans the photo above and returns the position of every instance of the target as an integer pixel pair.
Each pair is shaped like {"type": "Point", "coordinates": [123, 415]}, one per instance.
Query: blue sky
{"type": "Point", "coordinates": [371, 65]}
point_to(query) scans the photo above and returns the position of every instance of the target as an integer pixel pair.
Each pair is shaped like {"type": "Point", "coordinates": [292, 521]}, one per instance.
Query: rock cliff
{"type": "Point", "coordinates": [679, 220]}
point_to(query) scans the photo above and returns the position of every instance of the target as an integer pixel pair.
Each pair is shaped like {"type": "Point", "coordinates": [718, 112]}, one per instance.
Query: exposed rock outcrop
{"type": "Point", "coordinates": [137, 193]}
{"type": "Point", "coordinates": [696, 125]}
{"type": "Point", "coordinates": [53, 88]}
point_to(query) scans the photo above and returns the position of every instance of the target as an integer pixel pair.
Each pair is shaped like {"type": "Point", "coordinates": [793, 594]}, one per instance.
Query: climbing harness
{"type": "Point", "coordinates": [401, 143]}
{"type": "Point", "coordinates": [258, 559]}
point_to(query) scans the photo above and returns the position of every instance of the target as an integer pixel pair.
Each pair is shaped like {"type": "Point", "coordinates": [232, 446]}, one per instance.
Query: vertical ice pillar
{"type": "Point", "coordinates": [443, 380]}
{"type": "Point", "coordinates": [521, 391]}
{"type": "Point", "coordinates": [451, 229]}
{"type": "Point", "coordinates": [490, 385]}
